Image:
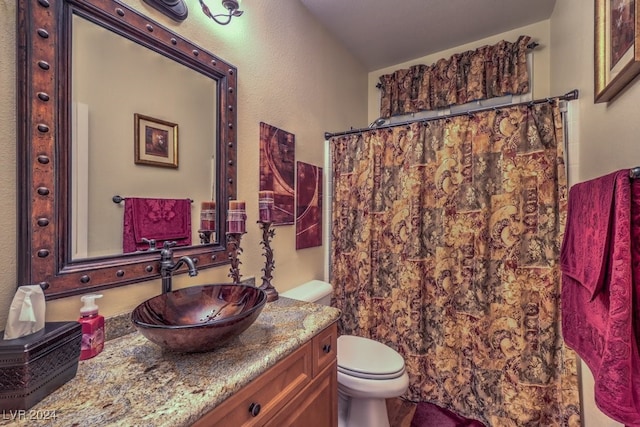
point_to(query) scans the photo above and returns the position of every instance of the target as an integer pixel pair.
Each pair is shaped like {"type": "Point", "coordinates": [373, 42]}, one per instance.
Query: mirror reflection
{"type": "Point", "coordinates": [71, 236]}
{"type": "Point", "coordinates": [136, 133]}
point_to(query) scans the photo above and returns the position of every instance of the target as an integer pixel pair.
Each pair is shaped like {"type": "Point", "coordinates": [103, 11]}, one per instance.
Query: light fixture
{"type": "Point", "coordinates": [174, 9]}
{"type": "Point", "coordinates": [223, 18]}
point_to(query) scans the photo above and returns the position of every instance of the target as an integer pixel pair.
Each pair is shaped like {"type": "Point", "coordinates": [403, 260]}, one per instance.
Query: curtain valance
{"type": "Point", "coordinates": [487, 72]}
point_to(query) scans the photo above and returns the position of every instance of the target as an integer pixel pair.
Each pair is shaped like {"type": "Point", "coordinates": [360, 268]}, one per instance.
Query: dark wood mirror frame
{"type": "Point", "coordinates": [44, 134]}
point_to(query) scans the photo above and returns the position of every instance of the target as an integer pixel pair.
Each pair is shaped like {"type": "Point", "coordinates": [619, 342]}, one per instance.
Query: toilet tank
{"type": "Point", "coordinates": [315, 291]}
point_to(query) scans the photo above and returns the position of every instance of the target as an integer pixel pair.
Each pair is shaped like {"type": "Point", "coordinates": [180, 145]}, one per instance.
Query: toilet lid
{"type": "Point", "coordinates": [364, 358]}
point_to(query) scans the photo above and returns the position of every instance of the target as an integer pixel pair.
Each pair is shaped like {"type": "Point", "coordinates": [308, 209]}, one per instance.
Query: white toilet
{"type": "Point", "coordinates": [368, 371]}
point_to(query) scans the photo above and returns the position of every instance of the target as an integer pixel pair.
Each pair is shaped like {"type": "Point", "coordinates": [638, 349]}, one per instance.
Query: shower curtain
{"type": "Point", "coordinates": [445, 246]}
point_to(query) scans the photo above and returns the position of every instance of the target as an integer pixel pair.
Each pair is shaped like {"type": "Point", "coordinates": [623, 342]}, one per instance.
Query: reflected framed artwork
{"type": "Point", "coordinates": [156, 142]}
{"type": "Point", "coordinates": [617, 47]}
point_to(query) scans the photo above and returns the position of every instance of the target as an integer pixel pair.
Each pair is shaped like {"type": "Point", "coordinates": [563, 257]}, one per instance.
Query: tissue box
{"type": "Point", "coordinates": [33, 366]}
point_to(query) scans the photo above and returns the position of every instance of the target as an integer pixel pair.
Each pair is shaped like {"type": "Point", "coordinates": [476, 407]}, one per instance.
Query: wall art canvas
{"type": "Point", "coordinates": [277, 171]}
{"type": "Point", "coordinates": [308, 206]}
{"type": "Point", "coordinates": [617, 50]}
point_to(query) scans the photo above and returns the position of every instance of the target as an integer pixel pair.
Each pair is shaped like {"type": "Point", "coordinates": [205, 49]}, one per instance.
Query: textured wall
{"type": "Point", "coordinates": [608, 134]}
{"type": "Point", "coordinates": [7, 155]}
{"type": "Point", "coordinates": [292, 74]}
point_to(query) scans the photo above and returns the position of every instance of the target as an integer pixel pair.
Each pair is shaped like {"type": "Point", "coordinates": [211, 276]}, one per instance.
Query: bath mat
{"type": "Point", "coordinates": [430, 415]}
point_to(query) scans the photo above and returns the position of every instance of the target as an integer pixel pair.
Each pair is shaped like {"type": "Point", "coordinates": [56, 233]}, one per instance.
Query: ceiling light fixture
{"type": "Point", "coordinates": [223, 18]}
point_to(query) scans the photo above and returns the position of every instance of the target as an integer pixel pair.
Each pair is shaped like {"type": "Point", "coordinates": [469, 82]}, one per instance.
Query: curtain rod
{"type": "Point", "coordinates": [569, 96]}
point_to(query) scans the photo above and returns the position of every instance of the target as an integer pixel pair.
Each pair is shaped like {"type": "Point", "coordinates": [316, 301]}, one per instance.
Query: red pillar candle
{"type": "Point", "coordinates": [237, 216]}
{"type": "Point", "coordinates": [265, 205]}
{"type": "Point", "coordinates": [208, 216]}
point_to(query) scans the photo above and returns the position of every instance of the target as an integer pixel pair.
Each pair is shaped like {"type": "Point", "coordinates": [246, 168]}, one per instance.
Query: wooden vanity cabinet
{"type": "Point", "coordinates": [300, 390]}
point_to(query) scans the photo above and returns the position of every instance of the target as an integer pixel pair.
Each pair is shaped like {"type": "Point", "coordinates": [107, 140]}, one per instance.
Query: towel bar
{"type": "Point", "coordinates": [119, 199]}
{"type": "Point", "coordinates": [634, 172]}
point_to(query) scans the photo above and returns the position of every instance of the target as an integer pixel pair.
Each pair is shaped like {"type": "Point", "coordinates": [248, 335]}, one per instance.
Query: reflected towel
{"type": "Point", "coordinates": [158, 219]}
{"type": "Point", "coordinates": [599, 262]}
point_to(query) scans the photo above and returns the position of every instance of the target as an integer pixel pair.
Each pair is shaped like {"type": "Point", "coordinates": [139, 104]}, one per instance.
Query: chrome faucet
{"type": "Point", "coordinates": [167, 266]}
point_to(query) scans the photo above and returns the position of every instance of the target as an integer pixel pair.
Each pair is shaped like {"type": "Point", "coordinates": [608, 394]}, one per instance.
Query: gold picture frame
{"type": "Point", "coordinates": [156, 142]}
{"type": "Point", "coordinates": [617, 47]}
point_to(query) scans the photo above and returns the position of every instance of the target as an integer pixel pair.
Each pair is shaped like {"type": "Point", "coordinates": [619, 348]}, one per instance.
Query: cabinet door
{"type": "Point", "coordinates": [316, 406]}
{"type": "Point", "coordinates": [266, 395]}
{"type": "Point", "coordinates": [324, 348]}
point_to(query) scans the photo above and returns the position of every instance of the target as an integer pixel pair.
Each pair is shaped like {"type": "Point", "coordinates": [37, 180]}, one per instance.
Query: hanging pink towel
{"type": "Point", "coordinates": [600, 282]}
{"type": "Point", "coordinates": [158, 219]}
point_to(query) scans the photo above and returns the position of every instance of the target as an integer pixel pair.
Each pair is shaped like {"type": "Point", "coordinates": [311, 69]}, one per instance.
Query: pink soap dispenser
{"type": "Point", "coordinates": [92, 327]}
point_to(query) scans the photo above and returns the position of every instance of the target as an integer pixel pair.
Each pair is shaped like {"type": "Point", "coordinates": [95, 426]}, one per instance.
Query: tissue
{"type": "Point", "coordinates": [26, 314]}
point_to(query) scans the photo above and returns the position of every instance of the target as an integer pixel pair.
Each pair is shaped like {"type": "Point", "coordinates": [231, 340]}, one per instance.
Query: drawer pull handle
{"type": "Point", "coordinates": [254, 409]}
{"type": "Point", "coordinates": [326, 348]}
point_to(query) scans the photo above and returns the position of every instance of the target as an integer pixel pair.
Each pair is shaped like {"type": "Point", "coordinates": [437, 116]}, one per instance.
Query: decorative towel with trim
{"type": "Point", "coordinates": [158, 219]}
{"type": "Point", "coordinates": [600, 262]}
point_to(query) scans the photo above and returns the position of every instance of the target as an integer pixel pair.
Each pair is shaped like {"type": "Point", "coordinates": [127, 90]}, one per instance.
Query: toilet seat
{"type": "Point", "coordinates": [368, 359]}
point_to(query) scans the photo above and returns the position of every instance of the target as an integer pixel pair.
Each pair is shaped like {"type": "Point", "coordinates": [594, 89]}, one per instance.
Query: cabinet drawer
{"type": "Point", "coordinates": [324, 346]}
{"type": "Point", "coordinates": [271, 391]}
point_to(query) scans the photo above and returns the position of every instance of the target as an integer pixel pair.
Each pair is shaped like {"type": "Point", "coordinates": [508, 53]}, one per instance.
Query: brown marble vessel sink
{"type": "Point", "coordinates": [199, 318]}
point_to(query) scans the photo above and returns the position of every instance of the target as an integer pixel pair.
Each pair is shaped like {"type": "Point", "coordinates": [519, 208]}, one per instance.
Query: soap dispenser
{"type": "Point", "coordinates": [92, 327]}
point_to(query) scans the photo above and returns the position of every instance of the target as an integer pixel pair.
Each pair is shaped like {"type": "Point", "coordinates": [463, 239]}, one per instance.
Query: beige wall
{"type": "Point", "coordinates": [539, 33]}
{"type": "Point", "coordinates": [7, 156]}
{"type": "Point", "coordinates": [291, 74]}
{"type": "Point", "coordinates": [607, 134]}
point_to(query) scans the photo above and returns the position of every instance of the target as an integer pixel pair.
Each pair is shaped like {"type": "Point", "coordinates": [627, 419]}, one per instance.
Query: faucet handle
{"type": "Point", "coordinates": [167, 244]}
{"type": "Point", "coordinates": [151, 242]}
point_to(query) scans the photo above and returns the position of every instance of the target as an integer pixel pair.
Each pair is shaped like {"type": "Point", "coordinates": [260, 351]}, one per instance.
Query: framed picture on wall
{"type": "Point", "coordinates": [155, 142]}
{"type": "Point", "coordinates": [617, 47]}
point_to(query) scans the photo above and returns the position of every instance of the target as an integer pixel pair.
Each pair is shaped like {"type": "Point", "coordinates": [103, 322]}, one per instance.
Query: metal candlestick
{"type": "Point", "coordinates": [233, 245]}
{"type": "Point", "coordinates": [269, 265]}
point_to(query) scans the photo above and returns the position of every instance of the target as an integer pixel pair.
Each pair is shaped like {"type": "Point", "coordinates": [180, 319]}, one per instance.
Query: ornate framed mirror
{"type": "Point", "coordinates": [87, 74]}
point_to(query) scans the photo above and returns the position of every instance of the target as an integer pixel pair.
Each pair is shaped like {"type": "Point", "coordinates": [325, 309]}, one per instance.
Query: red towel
{"type": "Point", "coordinates": [599, 261]}
{"type": "Point", "coordinates": [430, 415]}
{"type": "Point", "coordinates": [158, 219]}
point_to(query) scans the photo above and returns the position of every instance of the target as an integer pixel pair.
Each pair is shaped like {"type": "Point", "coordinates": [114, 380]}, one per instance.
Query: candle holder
{"type": "Point", "coordinates": [233, 243]}
{"type": "Point", "coordinates": [205, 236]}
{"type": "Point", "coordinates": [269, 265]}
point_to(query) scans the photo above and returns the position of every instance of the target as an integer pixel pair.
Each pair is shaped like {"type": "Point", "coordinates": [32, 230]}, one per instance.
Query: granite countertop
{"type": "Point", "coordinates": [133, 382]}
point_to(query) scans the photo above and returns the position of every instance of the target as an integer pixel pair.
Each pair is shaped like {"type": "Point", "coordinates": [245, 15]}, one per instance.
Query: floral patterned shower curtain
{"type": "Point", "coordinates": [446, 237]}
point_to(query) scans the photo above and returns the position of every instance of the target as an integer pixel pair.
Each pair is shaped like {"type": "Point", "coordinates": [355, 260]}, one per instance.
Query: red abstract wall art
{"type": "Point", "coordinates": [308, 206]}
{"type": "Point", "coordinates": [277, 173]}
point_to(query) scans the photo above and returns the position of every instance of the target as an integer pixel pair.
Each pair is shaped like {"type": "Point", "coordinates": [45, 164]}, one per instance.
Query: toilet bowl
{"type": "Point", "coordinates": [369, 372]}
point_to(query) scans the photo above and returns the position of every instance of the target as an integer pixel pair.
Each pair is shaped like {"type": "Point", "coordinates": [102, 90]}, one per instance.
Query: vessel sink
{"type": "Point", "coordinates": [199, 318]}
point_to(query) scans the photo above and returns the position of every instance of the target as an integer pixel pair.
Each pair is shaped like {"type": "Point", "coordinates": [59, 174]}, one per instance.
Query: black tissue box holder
{"type": "Point", "coordinates": [32, 367]}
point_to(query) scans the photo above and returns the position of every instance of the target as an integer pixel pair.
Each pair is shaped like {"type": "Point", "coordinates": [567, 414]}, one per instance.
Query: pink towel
{"type": "Point", "coordinates": [599, 262]}
{"type": "Point", "coordinates": [158, 219]}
